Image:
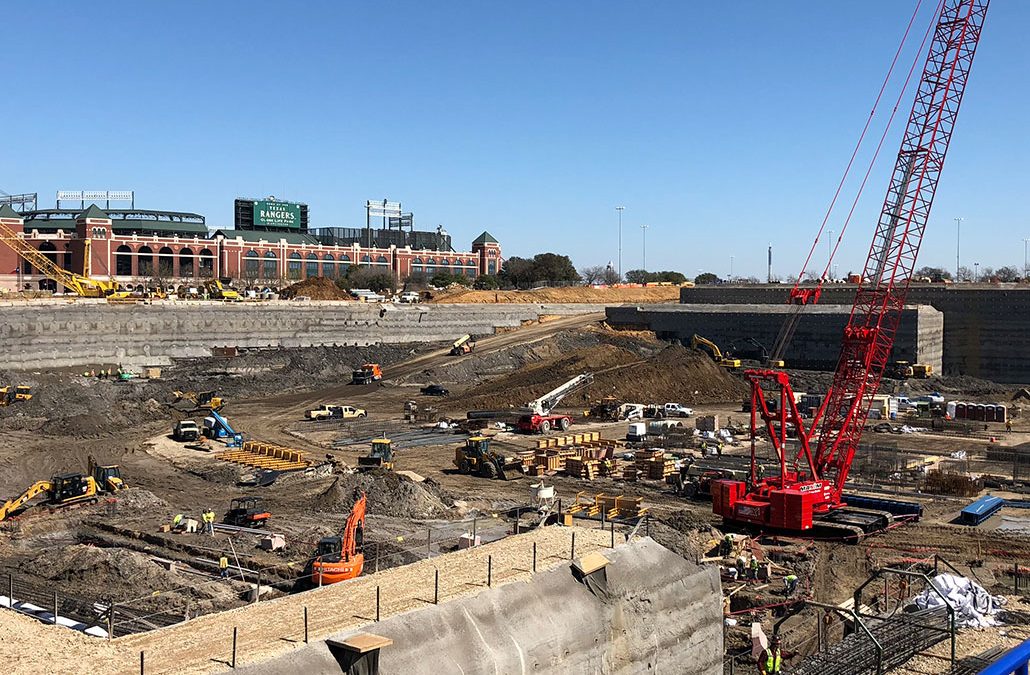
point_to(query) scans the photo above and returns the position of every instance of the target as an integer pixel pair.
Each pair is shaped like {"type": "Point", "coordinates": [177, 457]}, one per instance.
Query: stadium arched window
{"type": "Point", "coordinates": [417, 265]}
{"type": "Point", "coordinates": [311, 266]}
{"type": "Point", "coordinates": [381, 260]}
{"type": "Point", "coordinates": [165, 262]}
{"type": "Point", "coordinates": [146, 261]}
{"type": "Point", "coordinates": [271, 265]}
{"type": "Point", "coordinates": [344, 264]}
{"type": "Point", "coordinates": [293, 266]}
{"type": "Point", "coordinates": [251, 264]}
{"type": "Point", "coordinates": [207, 263]}
{"type": "Point", "coordinates": [186, 262]}
{"type": "Point", "coordinates": [123, 261]}
{"type": "Point", "coordinates": [328, 266]}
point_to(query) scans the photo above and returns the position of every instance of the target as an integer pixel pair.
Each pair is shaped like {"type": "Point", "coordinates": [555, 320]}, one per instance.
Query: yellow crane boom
{"type": "Point", "coordinates": [77, 283]}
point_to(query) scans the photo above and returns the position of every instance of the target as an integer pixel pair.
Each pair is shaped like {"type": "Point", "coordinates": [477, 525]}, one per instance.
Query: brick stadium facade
{"type": "Point", "coordinates": [174, 248]}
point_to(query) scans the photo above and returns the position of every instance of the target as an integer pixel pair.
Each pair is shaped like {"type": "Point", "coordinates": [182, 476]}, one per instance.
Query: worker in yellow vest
{"type": "Point", "coordinates": [209, 521]}
{"type": "Point", "coordinates": [223, 567]}
{"type": "Point", "coordinates": [771, 660]}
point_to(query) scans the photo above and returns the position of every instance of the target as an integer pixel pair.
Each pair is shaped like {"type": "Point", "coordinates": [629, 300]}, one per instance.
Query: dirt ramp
{"type": "Point", "coordinates": [388, 495]}
{"type": "Point", "coordinates": [653, 612]}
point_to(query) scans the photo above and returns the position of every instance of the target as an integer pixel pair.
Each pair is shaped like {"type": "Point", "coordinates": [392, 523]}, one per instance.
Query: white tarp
{"type": "Point", "coordinates": [974, 606]}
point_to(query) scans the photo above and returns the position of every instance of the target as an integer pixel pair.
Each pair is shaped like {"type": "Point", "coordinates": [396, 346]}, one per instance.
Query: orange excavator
{"type": "Point", "coordinates": [341, 558]}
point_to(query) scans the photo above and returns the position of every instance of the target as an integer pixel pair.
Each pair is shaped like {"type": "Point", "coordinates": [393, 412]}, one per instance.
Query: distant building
{"type": "Point", "coordinates": [139, 246]}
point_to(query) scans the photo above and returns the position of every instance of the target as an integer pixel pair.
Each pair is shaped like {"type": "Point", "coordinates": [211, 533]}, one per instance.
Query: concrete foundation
{"type": "Point", "coordinates": [60, 333]}
{"type": "Point", "coordinates": [986, 327]}
{"type": "Point", "coordinates": [816, 343]}
{"type": "Point", "coordinates": [656, 613]}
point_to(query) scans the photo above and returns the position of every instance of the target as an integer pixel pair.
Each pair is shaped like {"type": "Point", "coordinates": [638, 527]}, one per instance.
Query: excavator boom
{"type": "Point", "coordinates": [37, 488]}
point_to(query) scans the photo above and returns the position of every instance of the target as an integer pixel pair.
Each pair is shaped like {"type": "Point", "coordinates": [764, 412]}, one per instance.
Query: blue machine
{"type": "Point", "coordinates": [216, 426]}
{"type": "Point", "coordinates": [980, 510]}
{"type": "Point", "coordinates": [896, 507]}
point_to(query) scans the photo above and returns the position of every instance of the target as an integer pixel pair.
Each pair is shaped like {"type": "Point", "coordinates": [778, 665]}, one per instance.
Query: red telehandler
{"type": "Point", "coordinates": [815, 456]}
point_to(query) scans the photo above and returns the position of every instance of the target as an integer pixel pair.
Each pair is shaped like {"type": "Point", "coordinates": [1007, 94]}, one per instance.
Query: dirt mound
{"type": "Point", "coordinates": [100, 568]}
{"type": "Point", "coordinates": [316, 288]}
{"type": "Point", "coordinates": [632, 368]}
{"type": "Point", "coordinates": [388, 495]}
{"type": "Point", "coordinates": [138, 499]}
{"type": "Point", "coordinates": [559, 295]}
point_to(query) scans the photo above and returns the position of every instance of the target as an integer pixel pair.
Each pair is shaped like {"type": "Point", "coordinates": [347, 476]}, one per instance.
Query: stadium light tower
{"type": "Point", "coordinates": [643, 243]}
{"type": "Point", "coordinates": [620, 209]}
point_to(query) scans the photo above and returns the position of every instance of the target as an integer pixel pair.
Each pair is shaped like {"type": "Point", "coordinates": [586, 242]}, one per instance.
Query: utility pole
{"type": "Point", "coordinates": [731, 268]}
{"type": "Point", "coordinates": [620, 209]}
{"type": "Point", "coordinates": [643, 235]}
{"type": "Point", "coordinates": [958, 245]}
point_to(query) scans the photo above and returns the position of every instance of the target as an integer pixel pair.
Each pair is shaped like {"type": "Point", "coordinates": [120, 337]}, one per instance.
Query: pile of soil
{"type": "Point", "coordinates": [316, 288]}
{"type": "Point", "coordinates": [571, 294]}
{"type": "Point", "coordinates": [138, 499]}
{"type": "Point", "coordinates": [388, 493]}
{"type": "Point", "coordinates": [628, 367]}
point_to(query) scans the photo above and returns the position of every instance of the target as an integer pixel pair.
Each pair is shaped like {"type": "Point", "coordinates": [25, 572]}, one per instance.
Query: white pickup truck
{"type": "Point", "coordinates": [326, 412]}
{"type": "Point", "coordinates": [677, 410]}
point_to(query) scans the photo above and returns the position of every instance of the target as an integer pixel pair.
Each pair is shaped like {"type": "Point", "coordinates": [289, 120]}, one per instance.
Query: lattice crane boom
{"type": "Point", "coordinates": [880, 298]}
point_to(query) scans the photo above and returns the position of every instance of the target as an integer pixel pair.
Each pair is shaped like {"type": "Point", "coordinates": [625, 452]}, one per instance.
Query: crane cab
{"type": "Point", "coordinates": [72, 487]}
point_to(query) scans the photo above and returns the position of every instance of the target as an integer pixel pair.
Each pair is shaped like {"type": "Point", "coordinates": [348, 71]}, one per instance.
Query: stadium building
{"type": "Point", "coordinates": [270, 244]}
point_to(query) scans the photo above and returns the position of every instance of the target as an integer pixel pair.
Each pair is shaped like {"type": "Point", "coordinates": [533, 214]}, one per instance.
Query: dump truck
{"type": "Point", "coordinates": [367, 374]}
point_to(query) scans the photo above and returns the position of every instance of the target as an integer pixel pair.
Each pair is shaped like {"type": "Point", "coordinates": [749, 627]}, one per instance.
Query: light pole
{"type": "Point", "coordinates": [1024, 258]}
{"type": "Point", "coordinates": [958, 245]}
{"type": "Point", "coordinates": [976, 272]}
{"type": "Point", "coordinates": [643, 242]}
{"type": "Point", "coordinates": [620, 209]}
{"type": "Point", "coordinates": [731, 268]}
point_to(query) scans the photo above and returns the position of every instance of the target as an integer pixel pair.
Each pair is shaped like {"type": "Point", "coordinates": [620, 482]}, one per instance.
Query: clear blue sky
{"type": "Point", "coordinates": [722, 126]}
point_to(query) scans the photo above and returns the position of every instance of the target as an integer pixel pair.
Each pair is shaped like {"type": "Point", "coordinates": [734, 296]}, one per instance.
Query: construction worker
{"type": "Point", "coordinates": [771, 659]}
{"type": "Point", "coordinates": [741, 567]}
{"type": "Point", "coordinates": [1008, 426]}
{"type": "Point", "coordinates": [209, 521]}
{"type": "Point", "coordinates": [752, 568]}
{"type": "Point", "coordinates": [727, 545]}
{"type": "Point", "coordinates": [177, 521]}
{"type": "Point", "coordinates": [223, 567]}
{"type": "Point", "coordinates": [790, 584]}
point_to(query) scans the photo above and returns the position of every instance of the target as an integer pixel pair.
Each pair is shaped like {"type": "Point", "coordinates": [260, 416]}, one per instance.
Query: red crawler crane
{"type": "Point", "coordinates": [810, 486]}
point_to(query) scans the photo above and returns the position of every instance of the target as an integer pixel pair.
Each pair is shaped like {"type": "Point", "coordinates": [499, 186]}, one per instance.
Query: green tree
{"type": "Point", "coordinates": [486, 282]}
{"type": "Point", "coordinates": [707, 278]}
{"type": "Point", "coordinates": [935, 274]}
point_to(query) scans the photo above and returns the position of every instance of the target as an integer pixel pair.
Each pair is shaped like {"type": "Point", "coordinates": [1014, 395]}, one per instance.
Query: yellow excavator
{"type": "Point", "coordinates": [63, 490]}
{"type": "Point", "coordinates": [9, 394]}
{"type": "Point", "coordinates": [80, 284]}
{"type": "Point", "coordinates": [712, 349]}
{"type": "Point", "coordinates": [218, 291]}
{"type": "Point", "coordinates": [204, 400]}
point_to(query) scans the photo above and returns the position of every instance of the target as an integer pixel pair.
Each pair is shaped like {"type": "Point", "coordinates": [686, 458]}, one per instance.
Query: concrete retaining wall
{"type": "Point", "coordinates": [986, 327]}
{"type": "Point", "coordinates": [71, 333]}
{"type": "Point", "coordinates": [816, 343]}
{"type": "Point", "coordinates": [659, 614]}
